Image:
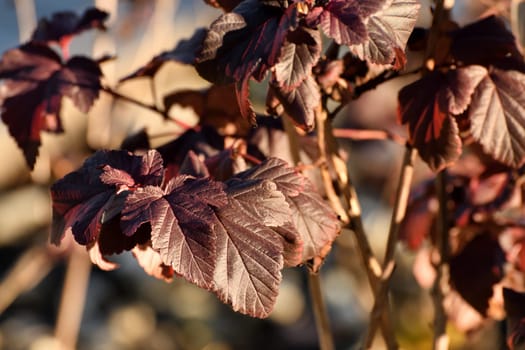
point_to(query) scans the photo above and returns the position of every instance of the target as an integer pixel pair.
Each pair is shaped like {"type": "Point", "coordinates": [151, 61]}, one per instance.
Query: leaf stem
{"type": "Point", "coordinates": [398, 214]}
{"type": "Point", "coordinates": [321, 316]}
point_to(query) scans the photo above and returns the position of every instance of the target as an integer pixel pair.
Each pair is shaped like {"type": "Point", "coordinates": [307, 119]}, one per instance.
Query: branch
{"type": "Point", "coordinates": [440, 261]}
{"type": "Point", "coordinates": [152, 108]}
{"type": "Point", "coordinates": [362, 134]}
{"type": "Point", "coordinates": [322, 322]}
{"type": "Point", "coordinates": [73, 298]}
{"type": "Point", "coordinates": [371, 84]}
{"type": "Point", "coordinates": [372, 267]}
{"type": "Point", "coordinates": [398, 214]}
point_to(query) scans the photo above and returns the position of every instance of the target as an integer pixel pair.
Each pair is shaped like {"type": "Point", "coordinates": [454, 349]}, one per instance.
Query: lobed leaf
{"type": "Point", "coordinates": [345, 20]}
{"type": "Point", "coordinates": [300, 103]}
{"type": "Point", "coordinates": [388, 33]}
{"type": "Point", "coordinates": [35, 82]}
{"type": "Point", "coordinates": [497, 115]}
{"type": "Point", "coordinates": [182, 223]}
{"type": "Point", "coordinates": [83, 198]}
{"type": "Point", "coordinates": [428, 106]}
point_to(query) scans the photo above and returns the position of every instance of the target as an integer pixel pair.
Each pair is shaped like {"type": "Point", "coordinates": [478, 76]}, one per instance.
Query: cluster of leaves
{"type": "Point", "coordinates": [474, 94]}
{"type": "Point", "coordinates": [231, 237]}
{"type": "Point", "coordinates": [283, 37]}
{"type": "Point", "coordinates": [486, 226]}
{"type": "Point", "coordinates": [36, 78]}
{"type": "Point", "coordinates": [471, 100]}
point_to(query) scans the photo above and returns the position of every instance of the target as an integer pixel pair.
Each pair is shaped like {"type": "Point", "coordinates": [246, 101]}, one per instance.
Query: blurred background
{"type": "Point", "coordinates": [48, 293]}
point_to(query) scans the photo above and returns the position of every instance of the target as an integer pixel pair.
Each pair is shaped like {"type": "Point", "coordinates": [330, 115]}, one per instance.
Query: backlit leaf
{"type": "Point", "coordinates": [428, 106]}
{"type": "Point", "coordinates": [388, 33]}
{"type": "Point", "coordinates": [182, 223]}
{"type": "Point", "coordinates": [497, 115]}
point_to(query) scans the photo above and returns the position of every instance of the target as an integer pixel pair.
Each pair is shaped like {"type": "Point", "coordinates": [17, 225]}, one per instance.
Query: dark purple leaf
{"type": "Point", "coordinates": [388, 33]}
{"type": "Point", "coordinates": [185, 52]}
{"type": "Point", "coordinates": [35, 81]}
{"type": "Point", "coordinates": [299, 54]}
{"type": "Point", "coordinates": [345, 20]}
{"type": "Point", "coordinates": [497, 115]}
{"type": "Point", "coordinates": [66, 24]}
{"type": "Point", "coordinates": [81, 199]}
{"type": "Point", "coordinates": [300, 103]}
{"type": "Point", "coordinates": [472, 276]}
{"type": "Point", "coordinates": [428, 106]}
{"type": "Point", "coordinates": [182, 224]}
{"type": "Point", "coordinates": [487, 42]}
{"type": "Point", "coordinates": [245, 42]}
{"type": "Point", "coordinates": [515, 309]}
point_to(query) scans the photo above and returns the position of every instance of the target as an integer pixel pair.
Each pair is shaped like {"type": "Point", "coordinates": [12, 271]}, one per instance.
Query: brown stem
{"type": "Point", "coordinates": [30, 268]}
{"type": "Point", "coordinates": [440, 261]}
{"type": "Point", "coordinates": [328, 149]}
{"type": "Point", "coordinates": [320, 313]}
{"type": "Point", "coordinates": [321, 316]}
{"type": "Point", "coordinates": [362, 134]}
{"type": "Point", "coordinates": [371, 84]}
{"type": "Point", "coordinates": [400, 205]}
{"type": "Point", "coordinates": [73, 298]}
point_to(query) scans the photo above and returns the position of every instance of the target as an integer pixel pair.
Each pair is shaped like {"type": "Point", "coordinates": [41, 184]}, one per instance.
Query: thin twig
{"type": "Point", "coordinates": [440, 262]}
{"type": "Point", "coordinates": [320, 313]}
{"type": "Point", "coordinates": [321, 316]}
{"type": "Point", "coordinates": [355, 223]}
{"type": "Point", "coordinates": [371, 84]}
{"type": "Point", "coordinates": [73, 298]}
{"type": "Point", "coordinates": [362, 134]}
{"type": "Point", "coordinates": [152, 108]}
{"type": "Point", "coordinates": [400, 205]}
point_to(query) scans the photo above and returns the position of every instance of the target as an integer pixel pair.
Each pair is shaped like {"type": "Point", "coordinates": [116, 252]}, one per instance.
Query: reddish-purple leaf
{"type": "Point", "coordinates": [300, 103]}
{"type": "Point", "coordinates": [185, 52]}
{"type": "Point", "coordinates": [299, 54]}
{"type": "Point", "coordinates": [81, 199]}
{"type": "Point", "coordinates": [497, 115]}
{"type": "Point", "coordinates": [249, 254]}
{"type": "Point", "coordinates": [182, 224]}
{"type": "Point", "coordinates": [487, 42]}
{"type": "Point", "coordinates": [515, 309]}
{"type": "Point", "coordinates": [314, 220]}
{"type": "Point", "coordinates": [472, 276]}
{"type": "Point", "coordinates": [35, 81]}
{"type": "Point", "coordinates": [245, 42]}
{"type": "Point", "coordinates": [345, 20]}
{"type": "Point", "coordinates": [388, 33]}
{"type": "Point", "coordinates": [428, 106]}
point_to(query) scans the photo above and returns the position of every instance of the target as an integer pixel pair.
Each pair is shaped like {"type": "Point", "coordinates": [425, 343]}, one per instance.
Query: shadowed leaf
{"type": "Point", "coordinates": [428, 106]}
{"type": "Point", "coordinates": [185, 52]}
{"type": "Point", "coordinates": [35, 82]}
